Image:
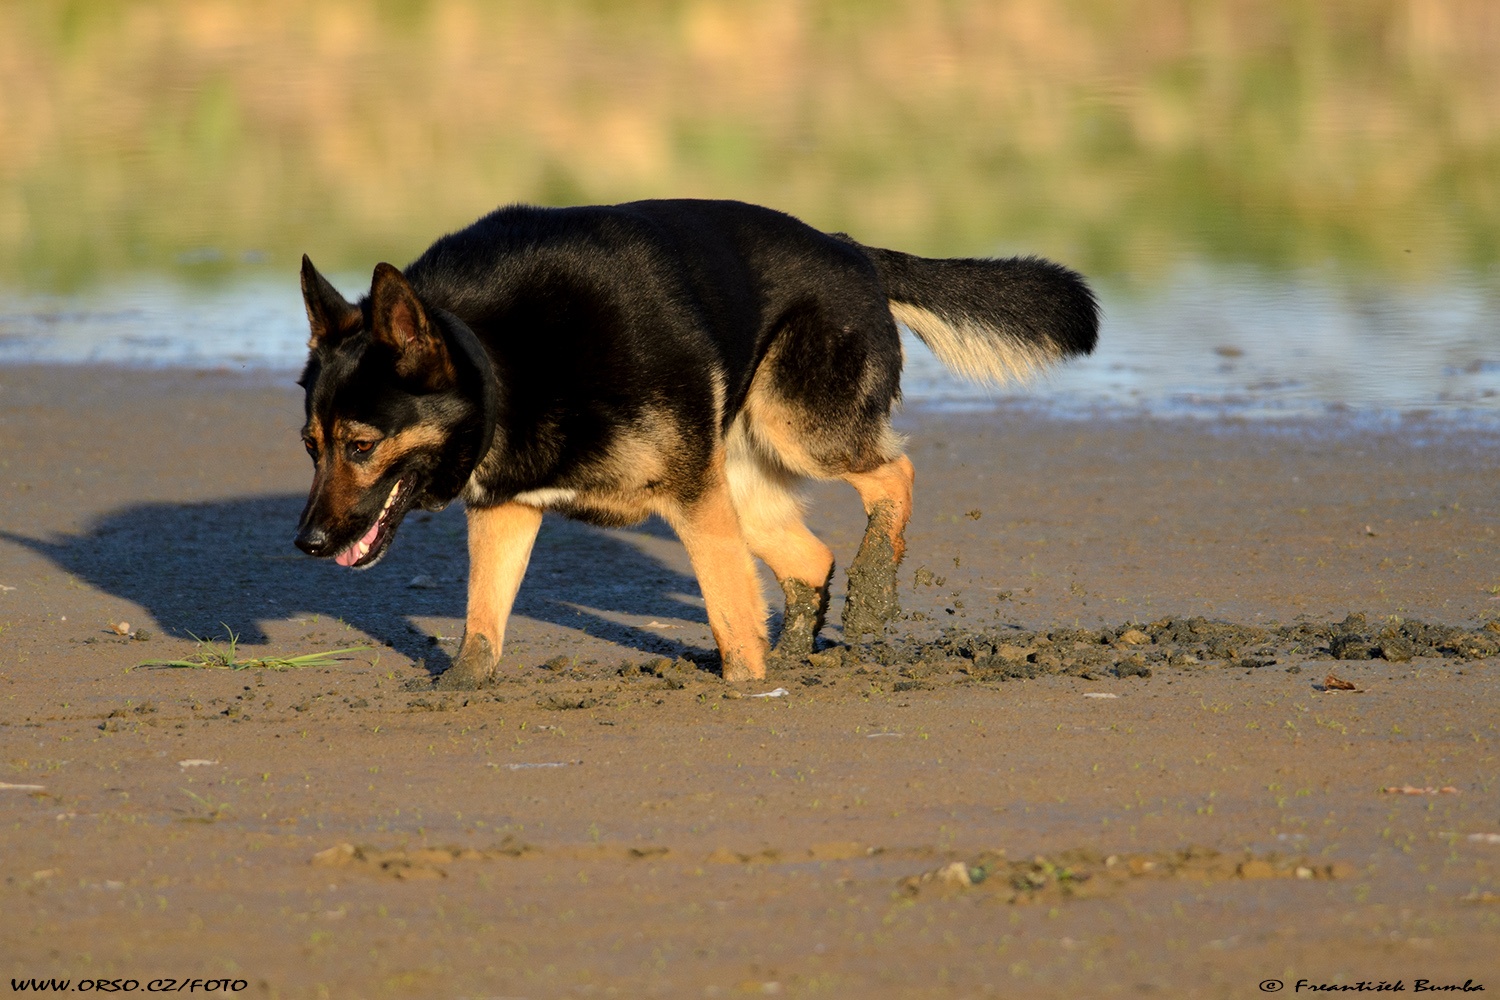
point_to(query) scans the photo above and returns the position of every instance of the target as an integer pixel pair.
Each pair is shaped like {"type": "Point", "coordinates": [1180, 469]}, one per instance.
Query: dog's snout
{"type": "Point", "coordinates": [313, 540]}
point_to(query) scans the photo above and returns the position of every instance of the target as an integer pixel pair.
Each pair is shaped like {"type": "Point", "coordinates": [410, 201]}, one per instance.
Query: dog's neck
{"type": "Point", "coordinates": [477, 365]}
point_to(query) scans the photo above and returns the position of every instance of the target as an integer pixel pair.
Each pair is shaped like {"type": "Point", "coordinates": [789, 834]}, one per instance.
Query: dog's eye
{"type": "Point", "coordinates": [361, 447]}
{"type": "Point", "coordinates": [312, 449]}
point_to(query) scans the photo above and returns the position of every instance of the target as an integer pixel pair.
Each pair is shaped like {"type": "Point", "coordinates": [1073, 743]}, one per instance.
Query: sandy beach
{"type": "Point", "coordinates": [1137, 803]}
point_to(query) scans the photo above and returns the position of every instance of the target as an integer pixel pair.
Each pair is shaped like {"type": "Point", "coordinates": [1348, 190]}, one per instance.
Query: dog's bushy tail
{"type": "Point", "coordinates": [992, 321]}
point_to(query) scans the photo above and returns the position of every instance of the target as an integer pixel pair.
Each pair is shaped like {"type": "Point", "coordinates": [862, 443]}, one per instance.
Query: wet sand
{"type": "Point", "coordinates": [611, 819]}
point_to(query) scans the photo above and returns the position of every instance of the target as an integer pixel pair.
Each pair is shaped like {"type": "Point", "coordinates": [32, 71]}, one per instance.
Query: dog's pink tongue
{"type": "Point", "coordinates": [351, 555]}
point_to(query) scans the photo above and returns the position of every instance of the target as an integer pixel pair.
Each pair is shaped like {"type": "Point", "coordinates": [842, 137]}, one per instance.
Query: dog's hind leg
{"type": "Point", "coordinates": [500, 540]}
{"type": "Point", "coordinates": [886, 494]}
{"type": "Point", "coordinates": [710, 530]}
{"type": "Point", "coordinates": [771, 517]}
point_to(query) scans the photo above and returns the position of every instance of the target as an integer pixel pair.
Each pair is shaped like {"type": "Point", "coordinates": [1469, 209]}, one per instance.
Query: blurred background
{"type": "Point", "coordinates": [1286, 204]}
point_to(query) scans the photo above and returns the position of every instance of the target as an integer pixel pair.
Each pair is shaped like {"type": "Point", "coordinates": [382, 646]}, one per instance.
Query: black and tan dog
{"type": "Point", "coordinates": [692, 359]}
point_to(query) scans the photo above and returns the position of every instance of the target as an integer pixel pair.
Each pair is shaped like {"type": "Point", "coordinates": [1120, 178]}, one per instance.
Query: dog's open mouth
{"type": "Point", "coordinates": [366, 551]}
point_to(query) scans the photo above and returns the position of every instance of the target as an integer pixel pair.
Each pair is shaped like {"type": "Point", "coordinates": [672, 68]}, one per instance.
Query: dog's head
{"type": "Point", "coordinates": [400, 407]}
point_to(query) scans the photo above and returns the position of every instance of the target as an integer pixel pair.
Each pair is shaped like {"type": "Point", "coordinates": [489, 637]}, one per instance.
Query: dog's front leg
{"type": "Point", "coordinates": [710, 530]}
{"type": "Point", "coordinates": [500, 540]}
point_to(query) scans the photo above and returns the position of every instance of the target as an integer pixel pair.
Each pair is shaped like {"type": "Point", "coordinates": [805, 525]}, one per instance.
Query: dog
{"type": "Point", "coordinates": [697, 360]}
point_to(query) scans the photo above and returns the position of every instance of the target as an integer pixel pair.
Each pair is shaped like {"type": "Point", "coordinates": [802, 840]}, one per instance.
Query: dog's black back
{"type": "Point", "coordinates": [600, 320]}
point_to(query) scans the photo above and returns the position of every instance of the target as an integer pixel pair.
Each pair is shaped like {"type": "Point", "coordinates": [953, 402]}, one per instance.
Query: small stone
{"type": "Point", "coordinates": [955, 874]}
{"type": "Point", "coordinates": [121, 628]}
{"type": "Point", "coordinates": [1134, 637]}
{"type": "Point", "coordinates": [829, 659]}
{"type": "Point", "coordinates": [1395, 649]}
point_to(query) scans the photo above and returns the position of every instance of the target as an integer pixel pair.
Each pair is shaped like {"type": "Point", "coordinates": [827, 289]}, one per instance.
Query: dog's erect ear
{"type": "Point", "coordinates": [399, 321]}
{"type": "Point", "coordinates": [329, 314]}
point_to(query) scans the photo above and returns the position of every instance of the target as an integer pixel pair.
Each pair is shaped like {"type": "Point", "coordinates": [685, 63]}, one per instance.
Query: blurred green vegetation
{"type": "Point", "coordinates": [203, 137]}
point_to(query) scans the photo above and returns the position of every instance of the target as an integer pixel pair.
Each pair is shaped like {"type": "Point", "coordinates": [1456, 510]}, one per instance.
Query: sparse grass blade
{"type": "Point", "coordinates": [212, 655]}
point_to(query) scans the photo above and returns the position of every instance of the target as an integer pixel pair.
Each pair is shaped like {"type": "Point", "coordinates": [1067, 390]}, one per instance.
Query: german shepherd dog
{"type": "Point", "coordinates": [691, 359]}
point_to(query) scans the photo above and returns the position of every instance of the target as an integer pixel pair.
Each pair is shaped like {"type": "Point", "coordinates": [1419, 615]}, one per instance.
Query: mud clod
{"type": "Point", "coordinates": [828, 659]}
{"type": "Point", "coordinates": [566, 703]}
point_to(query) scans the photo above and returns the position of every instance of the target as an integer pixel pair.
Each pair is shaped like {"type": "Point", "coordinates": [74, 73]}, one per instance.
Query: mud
{"type": "Point", "coordinates": [872, 601]}
{"type": "Point", "coordinates": [1085, 873]}
{"type": "Point", "coordinates": [1132, 649]}
{"type": "Point", "coordinates": [961, 656]}
{"type": "Point", "coordinates": [806, 611]}
{"type": "Point", "coordinates": [1131, 655]}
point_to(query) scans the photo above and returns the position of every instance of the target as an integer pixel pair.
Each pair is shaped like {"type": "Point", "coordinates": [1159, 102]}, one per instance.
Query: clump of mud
{"type": "Point", "coordinates": [1083, 873]}
{"type": "Point", "coordinates": [1137, 649]}
{"type": "Point", "coordinates": [1355, 638]}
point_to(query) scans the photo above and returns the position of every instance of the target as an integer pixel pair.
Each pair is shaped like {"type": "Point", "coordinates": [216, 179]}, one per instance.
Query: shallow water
{"type": "Point", "coordinates": [1215, 342]}
{"type": "Point", "coordinates": [1208, 342]}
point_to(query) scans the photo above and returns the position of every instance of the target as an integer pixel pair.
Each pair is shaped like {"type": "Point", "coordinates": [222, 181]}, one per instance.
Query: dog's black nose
{"type": "Point", "coordinates": [313, 540]}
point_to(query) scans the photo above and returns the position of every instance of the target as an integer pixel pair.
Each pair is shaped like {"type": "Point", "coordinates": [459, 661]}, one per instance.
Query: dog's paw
{"type": "Point", "coordinates": [736, 671]}
{"type": "Point", "coordinates": [806, 607]}
{"type": "Point", "coordinates": [872, 603]}
{"type": "Point", "coordinates": [472, 669]}
{"type": "Point", "coordinates": [738, 666]}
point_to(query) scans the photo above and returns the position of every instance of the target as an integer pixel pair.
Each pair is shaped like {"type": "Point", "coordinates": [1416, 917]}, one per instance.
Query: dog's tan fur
{"type": "Point", "coordinates": [972, 349]}
{"type": "Point", "coordinates": [886, 494]}
{"type": "Point", "coordinates": [500, 541]}
{"type": "Point", "coordinates": [710, 530]}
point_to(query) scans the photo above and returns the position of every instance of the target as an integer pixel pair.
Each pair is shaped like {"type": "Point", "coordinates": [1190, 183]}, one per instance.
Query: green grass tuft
{"type": "Point", "coordinates": [212, 655]}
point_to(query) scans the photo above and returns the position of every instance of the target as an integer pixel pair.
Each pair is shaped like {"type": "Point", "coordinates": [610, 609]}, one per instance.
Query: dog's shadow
{"type": "Point", "coordinates": [199, 568]}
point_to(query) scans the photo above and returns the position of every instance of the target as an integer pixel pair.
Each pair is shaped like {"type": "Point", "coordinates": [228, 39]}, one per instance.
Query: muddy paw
{"type": "Point", "coordinates": [472, 669]}
{"type": "Point", "coordinates": [806, 608]}
{"type": "Point", "coordinates": [872, 600]}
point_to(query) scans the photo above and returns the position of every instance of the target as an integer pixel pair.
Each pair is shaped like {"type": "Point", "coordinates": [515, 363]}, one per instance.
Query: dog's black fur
{"type": "Point", "coordinates": [598, 360]}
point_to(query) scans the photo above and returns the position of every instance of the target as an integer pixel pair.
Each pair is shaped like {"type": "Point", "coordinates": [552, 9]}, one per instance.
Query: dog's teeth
{"type": "Point", "coordinates": [391, 499]}
{"type": "Point", "coordinates": [364, 550]}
